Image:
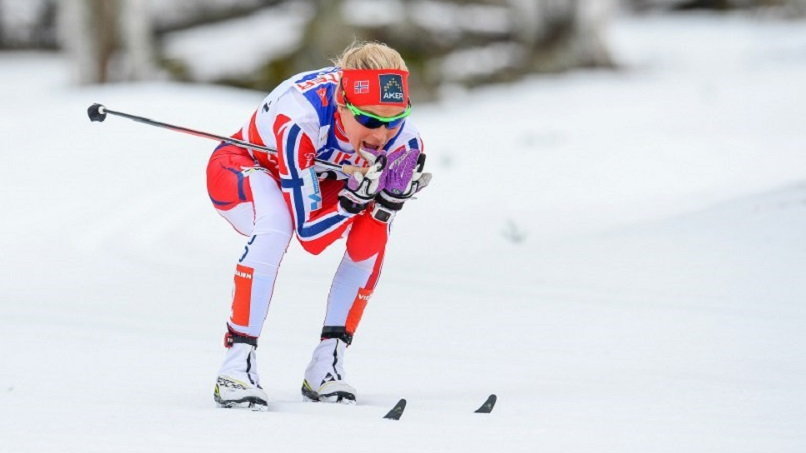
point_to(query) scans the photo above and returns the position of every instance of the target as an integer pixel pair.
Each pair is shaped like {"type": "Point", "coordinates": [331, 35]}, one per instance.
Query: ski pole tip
{"type": "Point", "coordinates": [96, 112]}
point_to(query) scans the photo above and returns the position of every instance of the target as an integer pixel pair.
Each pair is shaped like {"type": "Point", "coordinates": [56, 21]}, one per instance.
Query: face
{"type": "Point", "coordinates": [363, 137]}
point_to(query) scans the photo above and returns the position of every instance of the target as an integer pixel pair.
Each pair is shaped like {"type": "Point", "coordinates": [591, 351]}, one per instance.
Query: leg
{"type": "Point", "coordinates": [251, 201]}
{"type": "Point", "coordinates": [259, 262]}
{"type": "Point", "coordinates": [350, 291]}
{"type": "Point", "coordinates": [352, 287]}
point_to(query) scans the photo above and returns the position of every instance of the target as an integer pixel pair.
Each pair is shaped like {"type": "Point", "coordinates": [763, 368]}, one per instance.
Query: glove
{"type": "Point", "coordinates": [402, 179]}
{"type": "Point", "coordinates": [362, 187]}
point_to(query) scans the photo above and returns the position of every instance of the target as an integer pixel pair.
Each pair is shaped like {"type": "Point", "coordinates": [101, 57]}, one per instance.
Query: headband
{"type": "Point", "coordinates": [375, 87]}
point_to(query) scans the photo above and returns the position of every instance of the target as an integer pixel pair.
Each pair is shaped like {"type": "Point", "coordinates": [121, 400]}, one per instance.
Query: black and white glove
{"type": "Point", "coordinates": [362, 187]}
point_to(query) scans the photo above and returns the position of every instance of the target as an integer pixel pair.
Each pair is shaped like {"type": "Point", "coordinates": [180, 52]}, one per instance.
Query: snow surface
{"type": "Point", "coordinates": [619, 256]}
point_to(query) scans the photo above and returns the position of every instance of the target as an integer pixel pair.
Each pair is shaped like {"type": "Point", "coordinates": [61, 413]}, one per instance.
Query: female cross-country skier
{"type": "Point", "coordinates": [348, 158]}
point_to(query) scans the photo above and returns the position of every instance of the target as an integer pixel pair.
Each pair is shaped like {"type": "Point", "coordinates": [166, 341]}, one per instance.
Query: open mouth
{"type": "Point", "coordinates": [370, 147]}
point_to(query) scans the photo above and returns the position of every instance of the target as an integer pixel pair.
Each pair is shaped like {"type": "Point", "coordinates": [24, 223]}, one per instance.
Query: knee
{"type": "Point", "coordinates": [367, 238]}
{"type": "Point", "coordinates": [314, 247]}
{"type": "Point", "coordinates": [265, 249]}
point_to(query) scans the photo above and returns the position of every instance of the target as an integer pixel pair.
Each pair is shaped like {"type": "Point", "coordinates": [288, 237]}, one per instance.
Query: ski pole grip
{"type": "Point", "coordinates": [96, 112]}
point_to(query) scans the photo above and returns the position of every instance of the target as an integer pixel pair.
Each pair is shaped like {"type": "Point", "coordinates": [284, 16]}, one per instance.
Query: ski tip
{"type": "Point", "coordinates": [488, 405]}
{"type": "Point", "coordinates": [396, 411]}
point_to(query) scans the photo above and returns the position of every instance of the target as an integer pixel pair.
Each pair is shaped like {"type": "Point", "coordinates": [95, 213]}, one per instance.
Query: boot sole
{"type": "Point", "coordinates": [249, 402]}
{"type": "Point", "coordinates": [333, 397]}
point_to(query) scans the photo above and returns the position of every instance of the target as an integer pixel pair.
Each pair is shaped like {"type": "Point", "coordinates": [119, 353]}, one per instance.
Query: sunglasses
{"type": "Point", "coordinates": [372, 121]}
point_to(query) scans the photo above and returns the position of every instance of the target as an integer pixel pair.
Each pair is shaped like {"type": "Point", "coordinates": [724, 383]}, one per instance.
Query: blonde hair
{"type": "Point", "coordinates": [370, 55]}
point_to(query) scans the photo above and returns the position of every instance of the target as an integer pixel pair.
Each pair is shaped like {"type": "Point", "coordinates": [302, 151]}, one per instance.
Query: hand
{"type": "Point", "coordinates": [362, 184]}
{"type": "Point", "coordinates": [402, 179]}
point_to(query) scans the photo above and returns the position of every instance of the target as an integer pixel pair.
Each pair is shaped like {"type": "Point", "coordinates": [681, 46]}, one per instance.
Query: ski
{"type": "Point", "coordinates": [488, 405]}
{"type": "Point", "coordinates": [396, 411]}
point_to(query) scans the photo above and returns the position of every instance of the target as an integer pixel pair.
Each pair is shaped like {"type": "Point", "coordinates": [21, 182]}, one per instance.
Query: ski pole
{"type": "Point", "coordinates": [98, 112]}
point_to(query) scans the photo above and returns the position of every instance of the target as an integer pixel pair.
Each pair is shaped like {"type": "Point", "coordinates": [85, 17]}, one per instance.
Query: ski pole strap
{"type": "Point", "coordinates": [232, 337]}
{"type": "Point", "coordinates": [339, 332]}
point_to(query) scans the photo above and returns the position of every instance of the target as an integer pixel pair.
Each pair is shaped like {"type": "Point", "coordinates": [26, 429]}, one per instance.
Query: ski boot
{"type": "Point", "coordinates": [238, 384]}
{"type": "Point", "coordinates": [325, 378]}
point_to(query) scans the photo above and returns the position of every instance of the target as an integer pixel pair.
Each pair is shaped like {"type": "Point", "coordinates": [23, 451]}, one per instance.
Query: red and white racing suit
{"type": "Point", "coordinates": [270, 196]}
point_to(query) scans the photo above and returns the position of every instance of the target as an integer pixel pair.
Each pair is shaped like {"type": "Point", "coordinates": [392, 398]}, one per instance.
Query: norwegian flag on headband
{"type": "Point", "coordinates": [361, 86]}
{"type": "Point", "coordinates": [375, 87]}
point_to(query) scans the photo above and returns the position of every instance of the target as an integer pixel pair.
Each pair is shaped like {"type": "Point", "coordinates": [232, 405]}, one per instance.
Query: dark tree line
{"type": "Point", "coordinates": [480, 41]}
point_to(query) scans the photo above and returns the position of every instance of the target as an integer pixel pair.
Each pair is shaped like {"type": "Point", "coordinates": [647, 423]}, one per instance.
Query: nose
{"type": "Point", "coordinates": [379, 135]}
